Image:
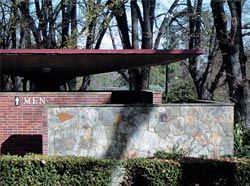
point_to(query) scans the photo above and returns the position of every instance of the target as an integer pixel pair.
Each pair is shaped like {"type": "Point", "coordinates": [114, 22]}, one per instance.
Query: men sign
{"type": "Point", "coordinates": [17, 101]}
{"type": "Point", "coordinates": [29, 101]}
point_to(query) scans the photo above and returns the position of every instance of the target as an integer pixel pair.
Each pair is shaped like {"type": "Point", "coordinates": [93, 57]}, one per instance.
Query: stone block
{"type": "Point", "coordinates": [118, 118]}
{"type": "Point", "coordinates": [64, 116]}
{"type": "Point", "coordinates": [199, 137]}
{"type": "Point", "coordinates": [189, 119]}
{"type": "Point", "coordinates": [215, 139]}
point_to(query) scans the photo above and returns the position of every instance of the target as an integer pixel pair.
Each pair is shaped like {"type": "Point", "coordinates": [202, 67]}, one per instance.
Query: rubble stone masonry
{"type": "Point", "coordinates": [121, 131]}
{"type": "Point", "coordinates": [87, 124]}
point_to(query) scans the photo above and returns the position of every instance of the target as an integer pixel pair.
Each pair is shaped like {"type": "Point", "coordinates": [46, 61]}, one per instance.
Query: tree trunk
{"type": "Point", "coordinates": [65, 23]}
{"type": "Point", "coordinates": [134, 73]}
{"type": "Point", "coordinates": [51, 22]}
{"type": "Point", "coordinates": [73, 23]}
{"type": "Point", "coordinates": [139, 77]}
{"type": "Point", "coordinates": [13, 25]}
{"type": "Point", "coordinates": [135, 35]}
{"type": "Point", "coordinates": [24, 9]}
{"type": "Point", "coordinates": [247, 96]}
{"type": "Point", "coordinates": [194, 41]}
{"type": "Point", "coordinates": [164, 24]}
{"type": "Point", "coordinates": [147, 37]}
{"type": "Point", "coordinates": [16, 81]}
{"type": "Point", "coordinates": [85, 83]}
{"type": "Point", "coordinates": [230, 44]}
{"type": "Point", "coordinates": [104, 26]}
{"type": "Point", "coordinates": [212, 76]}
{"type": "Point", "coordinates": [122, 22]}
{"type": "Point", "coordinates": [89, 42]}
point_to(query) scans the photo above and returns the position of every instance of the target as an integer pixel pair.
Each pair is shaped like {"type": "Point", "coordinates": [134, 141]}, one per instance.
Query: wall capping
{"type": "Point", "coordinates": [144, 105]}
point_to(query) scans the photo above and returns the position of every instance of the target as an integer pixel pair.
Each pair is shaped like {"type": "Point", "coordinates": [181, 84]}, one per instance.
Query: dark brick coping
{"type": "Point", "coordinates": [52, 93]}
{"type": "Point", "coordinates": [69, 93]}
{"type": "Point", "coordinates": [216, 104]}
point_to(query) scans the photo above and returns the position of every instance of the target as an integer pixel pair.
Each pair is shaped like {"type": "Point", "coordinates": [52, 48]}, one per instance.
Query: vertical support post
{"type": "Point", "coordinates": [166, 82]}
{"type": "Point", "coordinates": [24, 81]}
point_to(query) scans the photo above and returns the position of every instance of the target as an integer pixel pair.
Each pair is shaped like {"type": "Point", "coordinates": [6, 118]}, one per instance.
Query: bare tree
{"type": "Point", "coordinates": [234, 59]}
{"type": "Point", "coordinates": [207, 79]}
{"type": "Point", "coordinates": [95, 33]}
{"type": "Point", "coordinates": [139, 77]}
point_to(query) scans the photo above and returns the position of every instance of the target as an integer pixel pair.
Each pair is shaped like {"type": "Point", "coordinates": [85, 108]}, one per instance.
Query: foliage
{"type": "Point", "coordinates": [238, 139]}
{"type": "Point", "coordinates": [246, 137]}
{"type": "Point", "coordinates": [44, 170]}
{"type": "Point", "coordinates": [242, 172]}
{"type": "Point", "coordinates": [224, 171]}
{"type": "Point", "coordinates": [157, 76]}
{"type": "Point", "coordinates": [175, 153]}
{"type": "Point", "coordinates": [181, 91]}
{"type": "Point", "coordinates": [107, 81]}
{"type": "Point", "coordinates": [153, 172]}
{"type": "Point", "coordinates": [241, 141]}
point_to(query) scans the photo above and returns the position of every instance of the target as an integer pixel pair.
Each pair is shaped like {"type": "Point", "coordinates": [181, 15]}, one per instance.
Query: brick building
{"type": "Point", "coordinates": [32, 121]}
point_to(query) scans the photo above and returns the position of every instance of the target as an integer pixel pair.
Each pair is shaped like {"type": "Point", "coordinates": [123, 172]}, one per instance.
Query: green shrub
{"type": "Point", "coordinates": [174, 153]}
{"type": "Point", "coordinates": [242, 173]}
{"type": "Point", "coordinates": [223, 171]}
{"type": "Point", "coordinates": [246, 137]}
{"type": "Point", "coordinates": [42, 170]}
{"type": "Point", "coordinates": [241, 141]}
{"type": "Point", "coordinates": [153, 172]}
{"type": "Point", "coordinates": [57, 171]}
{"type": "Point", "coordinates": [181, 91]}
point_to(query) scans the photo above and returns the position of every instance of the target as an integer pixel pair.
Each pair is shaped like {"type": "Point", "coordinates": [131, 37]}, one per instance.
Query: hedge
{"type": "Point", "coordinates": [44, 170]}
{"type": "Point", "coordinates": [207, 172]}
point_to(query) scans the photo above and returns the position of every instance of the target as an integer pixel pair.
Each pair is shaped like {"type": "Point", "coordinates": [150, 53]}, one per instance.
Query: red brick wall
{"type": "Point", "coordinates": [17, 123]}
{"type": "Point", "coordinates": [24, 127]}
{"type": "Point", "coordinates": [157, 97]}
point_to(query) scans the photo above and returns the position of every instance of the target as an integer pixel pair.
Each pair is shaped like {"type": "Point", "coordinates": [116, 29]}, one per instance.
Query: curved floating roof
{"type": "Point", "coordinates": [47, 69]}
{"type": "Point", "coordinates": [42, 63]}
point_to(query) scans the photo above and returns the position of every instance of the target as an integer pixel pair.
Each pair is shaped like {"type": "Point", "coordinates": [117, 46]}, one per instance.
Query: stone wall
{"type": "Point", "coordinates": [23, 116]}
{"type": "Point", "coordinates": [140, 130]}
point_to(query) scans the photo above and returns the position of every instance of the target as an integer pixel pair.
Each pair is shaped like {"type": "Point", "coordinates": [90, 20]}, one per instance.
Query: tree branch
{"type": "Point", "coordinates": [23, 6]}
{"type": "Point", "coordinates": [103, 29]}
{"type": "Point", "coordinates": [164, 24]}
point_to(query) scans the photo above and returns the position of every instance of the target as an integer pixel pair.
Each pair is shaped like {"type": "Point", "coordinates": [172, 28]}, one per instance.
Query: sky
{"type": "Point", "coordinates": [163, 7]}
{"type": "Point", "coordinates": [169, 2]}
